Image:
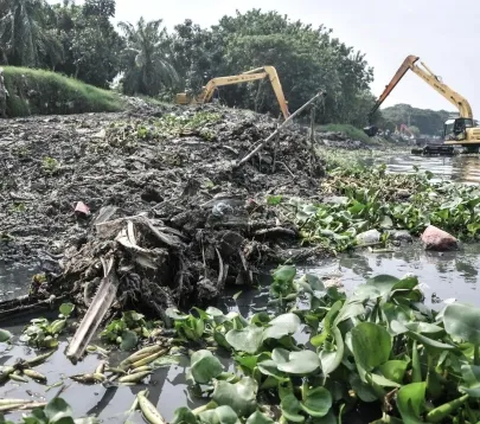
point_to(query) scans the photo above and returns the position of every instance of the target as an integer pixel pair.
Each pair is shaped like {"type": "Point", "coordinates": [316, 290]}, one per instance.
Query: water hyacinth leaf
{"type": "Point", "coordinates": [269, 367]}
{"type": "Point", "coordinates": [298, 363]}
{"type": "Point", "coordinates": [184, 415]}
{"type": "Point", "coordinates": [424, 327]}
{"type": "Point", "coordinates": [222, 415]}
{"type": "Point", "coordinates": [175, 314]}
{"type": "Point", "coordinates": [462, 321]}
{"type": "Point", "coordinates": [350, 309]}
{"type": "Point", "coordinates": [331, 360]}
{"type": "Point", "coordinates": [471, 380]}
{"type": "Point", "coordinates": [284, 273]}
{"type": "Point", "coordinates": [281, 326]}
{"type": "Point", "coordinates": [57, 409]}
{"type": "Point", "coordinates": [240, 396]}
{"type": "Point", "coordinates": [363, 391]}
{"type": "Point", "coordinates": [205, 366]}
{"type": "Point", "coordinates": [258, 418]}
{"type": "Point", "coordinates": [381, 381]}
{"type": "Point", "coordinates": [394, 370]}
{"type": "Point", "coordinates": [66, 309]}
{"type": "Point", "coordinates": [371, 345]}
{"type": "Point", "coordinates": [384, 283]}
{"type": "Point", "coordinates": [5, 336]}
{"type": "Point", "coordinates": [410, 402]}
{"type": "Point", "coordinates": [291, 409]}
{"type": "Point", "coordinates": [317, 402]}
{"type": "Point", "coordinates": [429, 342]}
{"type": "Point", "coordinates": [129, 340]}
{"type": "Point", "coordinates": [248, 339]}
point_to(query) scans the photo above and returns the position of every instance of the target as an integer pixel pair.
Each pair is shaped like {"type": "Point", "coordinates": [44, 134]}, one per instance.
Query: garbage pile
{"type": "Point", "coordinates": [157, 195]}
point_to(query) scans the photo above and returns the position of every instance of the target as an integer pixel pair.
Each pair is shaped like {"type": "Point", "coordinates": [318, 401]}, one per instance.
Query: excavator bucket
{"type": "Point", "coordinates": [371, 130]}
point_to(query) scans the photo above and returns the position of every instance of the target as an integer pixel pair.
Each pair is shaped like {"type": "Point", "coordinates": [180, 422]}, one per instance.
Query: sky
{"type": "Point", "coordinates": [444, 34]}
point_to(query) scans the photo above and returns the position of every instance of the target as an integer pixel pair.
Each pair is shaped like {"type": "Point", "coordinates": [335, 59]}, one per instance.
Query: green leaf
{"type": "Point", "coordinates": [248, 339]}
{"type": "Point", "coordinates": [241, 396]}
{"type": "Point", "coordinates": [394, 370]}
{"type": "Point", "coordinates": [462, 321]}
{"type": "Point", "coordinates": [281, 326]}
{"type": "Point", "coordinates": [410, 402]}
{"type": "Point", "coordinates": [205, 366]}
{"type": "Point", "coordinates": [184, 415]}
{"type": "Point", "coordinates": [371, 345]}
{"type": "Point", "coordinates": [129, 340]}
{"type": "Point", "coordinates": [298, 363]}
{"type": "Point", "coordinates": [66, 309]}
{"type": "Point", "coordinates": [222, 415]}
{"type": "Point", "coordinates": [317, 402]}
{"type": "Point", "coordinates": [291, 408]}
{"type": "Point", "coordinates": [331, 360]}
{"type": "Point", "coordinates": [384, 283]}
{"type": "Point", "coordinates": [56, 409]}
{"type": "Point", "coordinates": [258, 418]}
{"type": "Point", "coordinates": [269, 367]}
{"type": "Point", "coordinates": [285, 273]}
{"type": "Point", "coordinates": [471, 380]}
{"type": "Point", "coordinates": [5, 336]}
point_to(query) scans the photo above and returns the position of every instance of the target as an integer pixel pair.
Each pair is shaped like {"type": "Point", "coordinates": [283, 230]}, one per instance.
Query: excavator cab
{"type": "Point", "coordinates": [371, 130]}
{"type": "Point", "coordinates": [455, 129]}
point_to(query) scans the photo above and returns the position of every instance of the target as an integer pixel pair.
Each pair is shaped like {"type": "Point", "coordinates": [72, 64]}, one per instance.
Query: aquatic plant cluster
{"type": "Point", "coordinates": [317, 356]}
{"type": "Point", "coordinates": [374, 199]}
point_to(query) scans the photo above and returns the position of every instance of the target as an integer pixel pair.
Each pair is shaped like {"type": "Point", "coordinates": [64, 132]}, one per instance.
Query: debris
{"type": "Point", "coordinates": [368, 238]}
{"type": "Point", "coordinates": [436, 239]}
{"type": "Point", "coordinates": [82, 210]}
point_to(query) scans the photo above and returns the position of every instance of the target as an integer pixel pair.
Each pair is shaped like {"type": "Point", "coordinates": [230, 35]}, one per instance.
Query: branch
{"type": "Point", "coordinates": [293, 115]}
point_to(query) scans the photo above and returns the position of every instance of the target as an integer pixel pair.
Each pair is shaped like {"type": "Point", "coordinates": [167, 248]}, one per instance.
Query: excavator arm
{"type": "Point", "coordinates": [252, 75]}
{"type": "Point", "coordinates": [430, 78]}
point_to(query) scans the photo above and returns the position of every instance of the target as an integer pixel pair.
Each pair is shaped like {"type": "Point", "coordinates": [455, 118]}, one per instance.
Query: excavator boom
{"type": "Point", "coordinates": [430, 78]}
{"type": "Point", "coordinates": [459, 131]}
{"type": "Point", "coordinates": [252, 75]}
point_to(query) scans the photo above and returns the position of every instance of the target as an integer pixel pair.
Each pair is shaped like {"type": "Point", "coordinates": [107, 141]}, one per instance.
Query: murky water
{"type": "Point", "coordinates": [448, 275]}
{"type": "Point", "coordinates": [460, 168]}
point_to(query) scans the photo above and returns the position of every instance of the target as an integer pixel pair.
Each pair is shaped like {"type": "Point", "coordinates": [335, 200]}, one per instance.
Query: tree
{"type": "Point", "coordinates": [91, 44]}
{"type": "Point", "coordinates": [23, 33]}
{"type": "Point", "coordinates": [146, 62]}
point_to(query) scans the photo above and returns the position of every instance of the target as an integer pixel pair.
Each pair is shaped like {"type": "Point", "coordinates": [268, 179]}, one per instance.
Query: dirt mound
{"type": "Point", "coordinates": [171, 166]}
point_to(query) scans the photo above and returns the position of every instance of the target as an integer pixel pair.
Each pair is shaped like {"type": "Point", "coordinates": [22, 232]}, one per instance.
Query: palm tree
{"type": "Point", "coordinates": [22, 32]}
{"type": "Point", "coordinates": [147, 67]}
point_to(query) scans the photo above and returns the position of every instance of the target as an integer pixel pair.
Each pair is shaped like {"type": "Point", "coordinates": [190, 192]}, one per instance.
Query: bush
{"type": "Point", "coordinates": [39, 92]}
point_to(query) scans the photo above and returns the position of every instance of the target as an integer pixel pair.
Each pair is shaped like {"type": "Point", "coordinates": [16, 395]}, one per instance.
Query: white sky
{"type": "Point", "coordinates": [445, 34]}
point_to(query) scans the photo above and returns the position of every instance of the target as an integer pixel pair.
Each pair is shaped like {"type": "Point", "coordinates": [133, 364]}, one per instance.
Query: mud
{"type": "Point", "coordinates": [166, 174]}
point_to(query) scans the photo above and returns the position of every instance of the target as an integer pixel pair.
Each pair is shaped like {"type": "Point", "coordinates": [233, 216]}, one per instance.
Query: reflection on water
{"type": "Point", "coordinates": [461, 168]}
{"type": "Point", "coordinates": [14, 280]}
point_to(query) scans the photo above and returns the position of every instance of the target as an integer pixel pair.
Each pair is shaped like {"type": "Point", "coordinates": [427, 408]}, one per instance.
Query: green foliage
{"type": "Point", "coordinates": [427, 121]}
{"type": "Point", "coordinates": [41, 333]}
{"type": "Point", "coordinates": [373, 199]}
{"type": "Point", "coordinates": [146, 61]}
{"type": "Point", "coordinates": [128, 330]}
{"type": "Point", "coordinates": [306, 58]}
{"type": "Point", "coordinates": [80, 41]}
{"type": "Point", "coordinates": [379, 347]}
{"type": "Point", "coordinates": [37, 92]}
{"type": "Point", "coordinates": [349, 130]}
{"type": "Point", "coordinates": [57, 411]}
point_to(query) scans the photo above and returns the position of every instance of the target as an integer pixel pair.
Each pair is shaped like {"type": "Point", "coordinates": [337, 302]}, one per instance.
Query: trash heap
{"type": "Point", "coordinates": [156, 194]}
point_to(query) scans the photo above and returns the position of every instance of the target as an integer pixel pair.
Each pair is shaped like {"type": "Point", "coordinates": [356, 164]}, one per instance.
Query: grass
{"type": "Point", "coordinates": [40, 92]}
{"type": "Point", "coordinates": [352, 132]}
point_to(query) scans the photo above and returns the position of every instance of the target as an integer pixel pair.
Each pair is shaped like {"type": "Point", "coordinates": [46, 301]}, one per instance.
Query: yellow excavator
{"type": "Point", "coordinates": [252, 75]}
{"type": "Point", "coordinates": [459, 131]}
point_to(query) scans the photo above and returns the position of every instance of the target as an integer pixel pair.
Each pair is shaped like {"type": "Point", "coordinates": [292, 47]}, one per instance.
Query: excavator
{"type": "Point", "coordinates": [252, 75]}
{"type": "Point", "coordinates": [459, 131]}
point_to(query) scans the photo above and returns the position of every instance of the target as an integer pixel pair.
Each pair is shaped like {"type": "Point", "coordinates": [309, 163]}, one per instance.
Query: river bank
{"type": "Point", "coordinates": [209, 231]}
